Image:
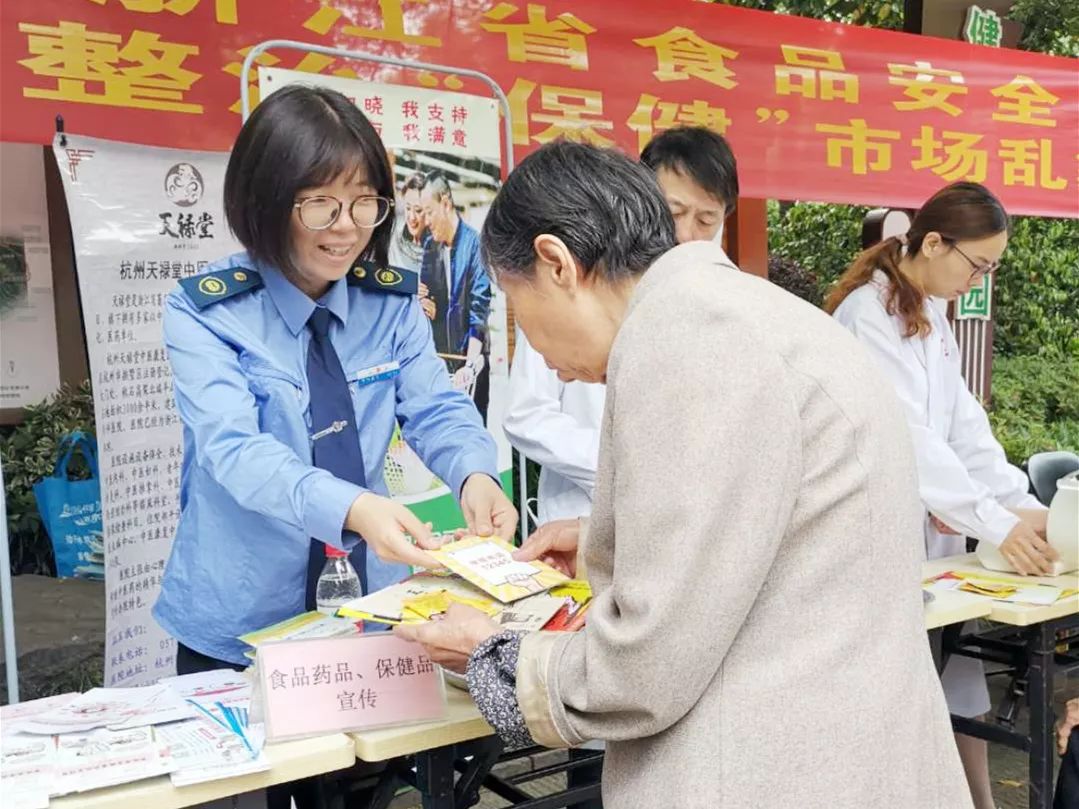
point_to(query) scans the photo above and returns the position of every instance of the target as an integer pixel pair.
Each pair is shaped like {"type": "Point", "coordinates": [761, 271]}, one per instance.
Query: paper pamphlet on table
{"type": "Point", "coordinates": [104, 758]}
{"type": "Point", "coordinates": [421, 597]}
{"type": "Point", "coordinates": [530, 614]}
{"type": "Point", "coordinates": [302, 627]}
{"type": "Point", "coordinates": [28, 768]}
{"type": "Point", "coordinates": [487, 562]}
{"type": "Point", "coordinates": [112, 708]}
{"type": "Point", "coordinates": [12, 716]}
{"type": "Point", "coordinates": [206, 750]}
{"type": "Point", "coordinates": [223, 741]}
{"type": "Point", "coordinates": [206, 688]}
{"type": "Point", "coordinates": [1009, 589]}
{"type": "Point", "coordinates": [388, 604]}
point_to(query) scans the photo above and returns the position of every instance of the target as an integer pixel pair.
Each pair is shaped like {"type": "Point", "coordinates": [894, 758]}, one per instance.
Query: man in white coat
{"type": "Point", "coordinates": [557, 424]}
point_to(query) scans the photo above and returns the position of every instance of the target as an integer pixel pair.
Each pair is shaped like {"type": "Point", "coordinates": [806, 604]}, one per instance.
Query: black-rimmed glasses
{"type": "Point", "coordinates": [977, 270]}
{"type": "Point", "coordinates": [320, 213]}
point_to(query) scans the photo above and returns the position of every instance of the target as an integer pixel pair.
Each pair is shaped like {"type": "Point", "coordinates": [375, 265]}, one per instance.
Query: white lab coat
{"type": "Point", "coordinates": [964, 477]}
{"type": "Point", "coordinates": [556, 424]}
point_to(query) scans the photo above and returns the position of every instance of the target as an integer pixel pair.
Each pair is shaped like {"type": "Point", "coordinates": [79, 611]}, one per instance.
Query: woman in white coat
{"type": "Point", "coordinates": [886, 298]}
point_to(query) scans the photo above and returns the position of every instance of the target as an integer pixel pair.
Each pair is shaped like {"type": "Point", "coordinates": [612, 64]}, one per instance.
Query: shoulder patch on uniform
{"type": "Point", "coordinates": [370, 275]}
{"type": "Point", "coordinates": [211, 287]}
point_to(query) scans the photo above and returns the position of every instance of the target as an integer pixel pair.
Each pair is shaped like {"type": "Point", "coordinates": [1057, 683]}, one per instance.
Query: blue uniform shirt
{"type": "Point", "coordinates": [250, 500]}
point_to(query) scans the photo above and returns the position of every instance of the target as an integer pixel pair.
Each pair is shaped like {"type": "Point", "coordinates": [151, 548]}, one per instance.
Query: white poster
{"type": "Point", "coordinates": [445, 150]}
{"type": "Point", "coordinates": [29, 367]}
{"type": "Point", "coordinates": [141, 218]}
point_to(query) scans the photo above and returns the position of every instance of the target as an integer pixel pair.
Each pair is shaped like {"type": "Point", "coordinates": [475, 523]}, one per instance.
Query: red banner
{"type": "Point", "coordinates": [814, 111]}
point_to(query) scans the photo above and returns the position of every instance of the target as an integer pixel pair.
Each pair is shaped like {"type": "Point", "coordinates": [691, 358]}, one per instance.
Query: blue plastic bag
{"type": "Point", "coordinates": [71, 512]}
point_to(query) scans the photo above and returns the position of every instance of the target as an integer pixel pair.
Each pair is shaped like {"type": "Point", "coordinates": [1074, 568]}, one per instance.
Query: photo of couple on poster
{"type": "Point", "coordinates": [441, 201]}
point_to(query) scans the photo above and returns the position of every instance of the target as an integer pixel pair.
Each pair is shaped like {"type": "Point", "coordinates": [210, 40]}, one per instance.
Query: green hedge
{"type": "Point", "coordinates": [1036, 403]}
{"type": "Point", "coordinates": [1037, 289]}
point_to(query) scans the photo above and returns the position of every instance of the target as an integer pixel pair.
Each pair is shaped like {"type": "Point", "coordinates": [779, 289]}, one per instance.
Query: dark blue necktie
{"type": "Point", "coordinates": [335, 436]}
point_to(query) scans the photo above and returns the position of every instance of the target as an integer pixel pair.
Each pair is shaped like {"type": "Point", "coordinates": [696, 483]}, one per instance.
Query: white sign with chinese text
{"type": "Point", "coordinates": [314, 687]}
{"type": "Point", "coordinates": [141, 219]}
{"type": "Point", "coordinates": [409, 117]}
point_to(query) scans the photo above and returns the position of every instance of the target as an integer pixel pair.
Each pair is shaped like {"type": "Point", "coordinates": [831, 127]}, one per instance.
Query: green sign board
{"type": "Point", "coordinates": [976, 304]}
{"type": "Point", "coordinates": [983, 27]}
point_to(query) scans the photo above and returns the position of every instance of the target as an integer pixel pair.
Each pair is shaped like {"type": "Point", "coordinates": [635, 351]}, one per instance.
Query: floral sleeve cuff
{"type": "Point", "coordinates": [492, 682]}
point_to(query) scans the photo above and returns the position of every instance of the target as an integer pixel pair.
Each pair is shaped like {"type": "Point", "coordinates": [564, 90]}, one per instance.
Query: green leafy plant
{"type": "Point", "coordinates": [1037, 289]}
{"type": "Point", "coordinates": [880, 14]}
{"type": "Point", "coordinates": [1035, 404]}
{"type": "Point", "coordinates": [1049, 26]}
{"type": "Point", "coordinates": [29, 454]}
{"type": "Point", "coordinates": [820, 238]}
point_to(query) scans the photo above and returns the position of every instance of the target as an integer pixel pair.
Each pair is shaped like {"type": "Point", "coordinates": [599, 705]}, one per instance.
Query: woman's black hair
{"type": "Point", "coordinates": [299, 137]}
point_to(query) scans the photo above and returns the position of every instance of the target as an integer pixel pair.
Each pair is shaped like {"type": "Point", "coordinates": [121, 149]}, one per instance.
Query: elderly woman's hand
{"type": "Point", "coordinates": [554, 543]}
{"type": "Point", "coordinates": [1065, 725]}
{"type": "Point", "coordinates": [451, 640]}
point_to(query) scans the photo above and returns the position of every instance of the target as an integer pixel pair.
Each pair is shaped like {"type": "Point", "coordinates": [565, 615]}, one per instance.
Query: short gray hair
{"type": "Point", "coordinates": [607, 209]}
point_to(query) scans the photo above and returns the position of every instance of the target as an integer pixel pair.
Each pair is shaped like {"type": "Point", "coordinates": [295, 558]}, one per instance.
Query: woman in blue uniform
{"type": "Point", "coordinates": [292, 362]}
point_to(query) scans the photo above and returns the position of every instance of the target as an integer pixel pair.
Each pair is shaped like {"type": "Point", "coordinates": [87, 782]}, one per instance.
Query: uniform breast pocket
{"type": "Point", "coordinates": [280, 396]}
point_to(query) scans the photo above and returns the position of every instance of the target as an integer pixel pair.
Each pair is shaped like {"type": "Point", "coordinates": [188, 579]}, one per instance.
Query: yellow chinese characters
{"type": "Point", "coordinates": [224, 10]}
{"type": "Point", "coordinates": [815, 73]}
{"type": "Point", "coordinates": [953, 156]}
{"type": "Point", "coordinates": [653, 115]}
{"type": "Point", "coordinates": [393, 26]}
{"type": "Point", "coordinates": [1030, 162]}
{"type": "Point", "coordinates": [560, 41]}
{"type": "Point", "coordinates": [152, 76]}
{"type": "Point", "coordinates": [929, 88]}
{"type": "Point", "coordinates": [568, 112]}
{"type": "Point", "coordinates": [681, 54]}
{"type": "Point", "coordinates": [869, 149]}
{"type": "Point", "coordinates": [1024, 101]}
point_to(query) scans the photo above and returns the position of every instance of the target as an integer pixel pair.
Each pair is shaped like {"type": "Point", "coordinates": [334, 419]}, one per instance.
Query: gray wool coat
{"type": "Point", "coordinates": [757, 638]}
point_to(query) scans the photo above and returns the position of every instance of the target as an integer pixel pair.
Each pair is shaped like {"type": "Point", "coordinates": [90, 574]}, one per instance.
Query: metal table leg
{"type": "Point", "coordinates": [434, 778]}
{"type": "Point", "coordinates": [1040, 643]}
{"type": "Point", "coordinates": [1034, 658]}
{"type": "Point", "coordinates": [435, 771]}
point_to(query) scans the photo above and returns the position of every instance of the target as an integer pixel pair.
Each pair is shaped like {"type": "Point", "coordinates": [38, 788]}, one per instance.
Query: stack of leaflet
{"type": "Point", "coordinates": [1012, 589]}
{"type": "Point", "coordinates": [29, 762]}
{"type": "Point", "coordinates": [81, 742]}
{"type": "Point", "coordinates": [221, 742]}
{"type": "Point", "coordinates": [194, 728]}
{"type": "Point", "coordinates": [481, 573]}
{"type": "Point", "coordinates": [302, 627]}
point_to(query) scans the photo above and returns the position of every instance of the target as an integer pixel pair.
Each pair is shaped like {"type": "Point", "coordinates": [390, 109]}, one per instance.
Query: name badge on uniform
{"type": "Point", "coordinates": [376, 373]}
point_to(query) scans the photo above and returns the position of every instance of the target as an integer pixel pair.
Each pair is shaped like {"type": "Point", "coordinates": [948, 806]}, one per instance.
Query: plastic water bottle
{"type": "Point", "coordinates": [337, 584]}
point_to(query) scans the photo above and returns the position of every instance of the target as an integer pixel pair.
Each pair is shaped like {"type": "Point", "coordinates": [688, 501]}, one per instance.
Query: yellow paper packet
{"type": "Point", "coordinates": [577, 589]}
{"type": "Point", "coordinates": [986, 588]}
{"type": "Point", "coordinates": [487, 563]}
{"type": "Point", "coordinates": [428, 605]}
